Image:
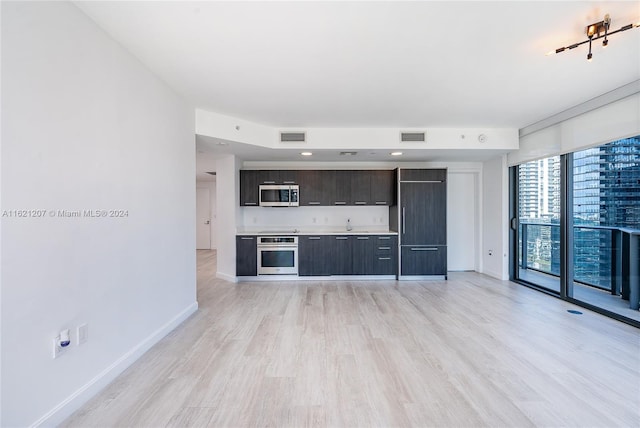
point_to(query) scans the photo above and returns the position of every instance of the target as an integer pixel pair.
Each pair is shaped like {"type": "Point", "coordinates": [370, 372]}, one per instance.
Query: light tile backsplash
{"type": "Point", "coordinates": [318, 219]}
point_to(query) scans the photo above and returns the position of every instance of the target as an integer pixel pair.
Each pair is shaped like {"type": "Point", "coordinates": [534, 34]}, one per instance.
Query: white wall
{"type": "Point", "coordinates": [229, 216]}
{"type": "Point", "coordinates": [371, 218]}
{"type": "Point", "coordinates": [86, 126]}
{"type": "Point", "coordinates": [236, 129]}
{"type": "Point", "coordinates": [495, 216]}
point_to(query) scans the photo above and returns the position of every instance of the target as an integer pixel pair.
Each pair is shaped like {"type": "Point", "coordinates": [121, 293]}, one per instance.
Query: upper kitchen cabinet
{"type": "Point", "coordinates": [324, 187]}
{"type": "Point", "coordinates": [316, 187]}
{"type": "Point", "coordinates": [273, 176]}
{"type": "Point", "coordinates": [360, 187]}
{"type": "Point", "coordinates": [423, 175]}
{"type": "Point", "coordinates": [383, 187]}
{"type": "Point", "coordinates": [341, 194]}
{"type": "Point", "coordinates": [249, 191]}
{"type": "Point", "coordinates": [364, 187]}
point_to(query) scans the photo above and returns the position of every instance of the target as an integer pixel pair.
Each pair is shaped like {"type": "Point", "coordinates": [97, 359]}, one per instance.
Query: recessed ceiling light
{"type": "Point", "coordinates": [396, 153]}
{"type": "Point", "coordinates": [306, 153]}
{"type": "Point", "coordinates": [348, 153]}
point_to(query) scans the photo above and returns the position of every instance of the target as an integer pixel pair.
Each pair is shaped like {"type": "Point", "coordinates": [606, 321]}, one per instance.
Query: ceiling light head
{"type": "Point", "coordinates": [306, 153]}
{"type": "Point", "coordinates": [605, 43]}
{"type": "Point", "coordinates": [589, 56]}
{"type": "Point", "coordinates": [396, 153]}
{"type": "Point", "coordinates": [591, 30]}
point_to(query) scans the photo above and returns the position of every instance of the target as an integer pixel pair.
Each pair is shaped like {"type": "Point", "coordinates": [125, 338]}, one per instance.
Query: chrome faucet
{"type": "Point", "coordinates": [349, 227]}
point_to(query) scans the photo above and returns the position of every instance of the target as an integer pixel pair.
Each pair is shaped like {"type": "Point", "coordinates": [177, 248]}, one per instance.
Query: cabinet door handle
{"type": "Point", "coordinates": [340, 203]}
{"type": "Point", "coordinates": [361, 203]}
{"type": "Point", "coordinates": [250, 203]}
{"type": "Point", "coordinates": [424, 249]}
{"type": "Point", "coordinates": [342, 237]}
{"type": "Point", "coordinates": [314, 203]}
{"type": "Point", "coordinates": [244, 238]}
{"type": "Point", "coordinates": [403, 221]}
{"type": "Point", "coordinates": [384, 258]}
{"type": "Point", "coordinates": [313, 238]}
{"type": "Point", "coordinates": [381, 202]}
{"type": "Point", "coordinates": [288, 182]}
{"type": "Point", "coordinates": [363, 237]}
{"type": "Point", "coordinates": [268, 182]}
{"type": "Point", "coordinates": [384, 248]}
{"type": "Point", "coordinates": [384, 237]}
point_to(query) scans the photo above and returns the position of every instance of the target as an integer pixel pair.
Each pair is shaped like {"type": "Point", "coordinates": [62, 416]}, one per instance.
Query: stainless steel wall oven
{"type": "Point", "coordinates": [277, 255]}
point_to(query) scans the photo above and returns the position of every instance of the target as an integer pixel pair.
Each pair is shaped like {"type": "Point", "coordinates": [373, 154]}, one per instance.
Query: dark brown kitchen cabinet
{"type": "Point", "coordinates": [363, 255]}
{"type": "Point", "coordinates": [423, 175]}
{"type": "Point", "coordinates": [385, 258]}
{"type": "Point", "coordinates": [360, 187]}
{"type": "Point", "coordinates": [383, 187]}
{"type": "Point", "coordinates": [342, 255]}
{"type": "Point", "coordinates": [315, 255]}
{"type": "Point", "coordinates": [316, 187]}
{"type": "Point", "coordinates": [424, 260]}
{"type": "Point", "coordinates": [246, 256]}
{"type": "Point", "coordinates": [276, 176]}
{"type": "Point", "coordinates": [324, 187]}
{"type": "Point", "coordinates": [249, 187]}
{"type": "Point", "coordinates": [424, 213]}
{"type": "Point", "coordinates": [342, 188]}
{"type": "Point", "coordinates": [422, 207]}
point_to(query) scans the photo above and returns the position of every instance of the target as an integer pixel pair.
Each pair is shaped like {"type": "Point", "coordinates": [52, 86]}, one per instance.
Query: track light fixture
{"type": "Point", "coordinates": [596, 31]}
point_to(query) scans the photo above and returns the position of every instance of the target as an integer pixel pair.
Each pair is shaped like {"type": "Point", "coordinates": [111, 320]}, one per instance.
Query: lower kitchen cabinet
{"type": "Point", "coordinates": [246, 256]}
{"type": "Point", "coordinates": [315, 255]}
{"type": "Point", "coordinates": [385, 258]}
{"type": "Point", "coordinates": [364, 255]}
{"type": "Point", "coordinates": [423, 260]}
{"type": "Point", "coordinates": [342, 257]}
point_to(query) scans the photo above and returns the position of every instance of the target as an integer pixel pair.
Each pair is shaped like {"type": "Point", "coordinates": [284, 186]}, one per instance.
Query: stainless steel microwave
{"type": "Point", "coordinates": [279, 195]}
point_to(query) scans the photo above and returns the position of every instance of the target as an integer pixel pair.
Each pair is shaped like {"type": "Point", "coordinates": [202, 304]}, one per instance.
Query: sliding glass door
{"type": "Point", "coordinates": [576, 227]}
{"type": "Point", "coordinates": [606, 220]}
{"type": "Point", "coordinates": [539, 223]}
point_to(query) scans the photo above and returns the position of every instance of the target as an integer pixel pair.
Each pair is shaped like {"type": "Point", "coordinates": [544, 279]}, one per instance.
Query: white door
{"type": "Point", "coordinates": [462, 221]}
{"type": "Point", "coordinates": [203, 219]}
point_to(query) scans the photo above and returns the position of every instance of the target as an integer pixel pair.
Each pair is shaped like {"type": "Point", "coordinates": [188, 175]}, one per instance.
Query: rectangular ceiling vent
{"type": "Point", "coordinates": [413, 137]}
{"type": "Point", "coordinates": [293, 137]}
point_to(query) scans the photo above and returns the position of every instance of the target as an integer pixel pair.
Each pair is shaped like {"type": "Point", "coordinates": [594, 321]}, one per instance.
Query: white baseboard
{"type": "Point", "coordinates": [230, 278]}
{"type": "Point", "coordinates": [494, 275]}
{"type": "Point", "coordinates": [72, 403]}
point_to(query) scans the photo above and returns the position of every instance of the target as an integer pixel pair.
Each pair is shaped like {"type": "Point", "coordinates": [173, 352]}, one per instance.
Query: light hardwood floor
{"type": "Point", "coordinates": [471, 351]}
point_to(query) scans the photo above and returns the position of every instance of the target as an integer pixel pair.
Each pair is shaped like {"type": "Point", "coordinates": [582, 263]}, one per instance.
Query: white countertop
{"type": "Point", "coordinates": [315, 232]}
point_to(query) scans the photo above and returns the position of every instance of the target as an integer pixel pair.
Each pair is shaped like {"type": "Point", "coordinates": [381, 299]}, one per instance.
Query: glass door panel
{"type": "Point", "coordinates": [606, 221]}
{"type": "Point", "coordinates": [539, 223]}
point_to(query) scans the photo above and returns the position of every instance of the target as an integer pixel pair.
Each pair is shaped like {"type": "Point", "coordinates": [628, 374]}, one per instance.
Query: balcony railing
{"type": "Point", "coordinates": [604, 257]}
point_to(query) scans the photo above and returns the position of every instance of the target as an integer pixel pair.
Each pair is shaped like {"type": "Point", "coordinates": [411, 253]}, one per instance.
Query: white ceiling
{"type": "Point", "coordinates": [378, 64]}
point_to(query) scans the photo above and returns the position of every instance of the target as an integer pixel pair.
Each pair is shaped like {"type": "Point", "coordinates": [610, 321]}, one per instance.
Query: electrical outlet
{"type": "Point", "coordinates": [57, 349]}
{"type": "Point", "coordinates": [83, 334]}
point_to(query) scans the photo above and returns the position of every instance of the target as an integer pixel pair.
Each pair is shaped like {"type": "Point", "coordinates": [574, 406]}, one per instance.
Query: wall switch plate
{"type": "Point", "coordinates": [83, 334]}
{"type": "Point", "coordinates": [57, 349]}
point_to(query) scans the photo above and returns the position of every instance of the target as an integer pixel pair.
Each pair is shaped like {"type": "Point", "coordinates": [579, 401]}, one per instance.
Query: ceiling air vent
{"type": "Point", "coordinates": [293, 137]}
{"type": "Point", "coordinates": [413, 137]}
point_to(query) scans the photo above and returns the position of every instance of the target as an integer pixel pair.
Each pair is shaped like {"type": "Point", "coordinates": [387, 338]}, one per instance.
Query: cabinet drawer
{"type": "Point", "coordinates": [423, 260]}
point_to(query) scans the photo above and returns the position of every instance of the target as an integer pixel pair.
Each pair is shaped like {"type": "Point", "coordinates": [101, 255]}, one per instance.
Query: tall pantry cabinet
{"type": "Point", "coordinates": [422, 218]}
